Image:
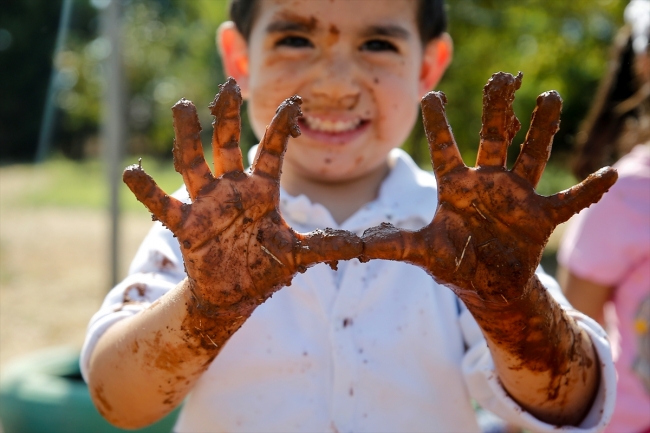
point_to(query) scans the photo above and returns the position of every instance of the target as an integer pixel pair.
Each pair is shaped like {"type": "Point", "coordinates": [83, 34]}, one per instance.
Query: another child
{"type": "Point", "coordinates": [605, 252]}
{"type": "Point", "coordinates": [376, 346]}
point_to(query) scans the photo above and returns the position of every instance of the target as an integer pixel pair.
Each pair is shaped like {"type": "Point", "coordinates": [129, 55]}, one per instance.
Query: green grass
{"type": "Point", "coordinates": [67, 184]}
{"type": "Point", "coordinates": [556, 178]}
{"type": "Point", "coordinates": [61, 182]}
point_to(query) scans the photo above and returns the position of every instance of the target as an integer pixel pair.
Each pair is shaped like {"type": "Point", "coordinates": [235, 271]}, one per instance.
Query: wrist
{"type": "Point", "coordinates": [208, 323]}
{"type": "Point", "coordinates": [214, 301]}
{"type": "Point", "coordinates": [503, 299]}
{"type": "Point", "coordinates": [532, 329]}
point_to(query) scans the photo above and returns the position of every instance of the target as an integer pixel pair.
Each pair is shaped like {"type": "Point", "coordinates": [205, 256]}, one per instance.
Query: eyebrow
{"type": "Point", "coordinates": [292, 22]}
{"type": "Point", "coordinates": [388, 30]}
{"type": "Point", "coordinates": [288, 21]}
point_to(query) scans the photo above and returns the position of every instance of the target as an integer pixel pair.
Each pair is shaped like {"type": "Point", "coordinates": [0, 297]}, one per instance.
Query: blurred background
{"type": "Point", "coordinates": [86, 89]}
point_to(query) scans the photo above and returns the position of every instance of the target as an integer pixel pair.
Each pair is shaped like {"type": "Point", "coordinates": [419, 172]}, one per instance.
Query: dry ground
{"type": "Point", "coordinates": [54, 267]}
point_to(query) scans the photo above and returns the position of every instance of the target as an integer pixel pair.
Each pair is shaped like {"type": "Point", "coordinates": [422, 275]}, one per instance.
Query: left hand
{"type": "Point", "coordinates": [489, 231]}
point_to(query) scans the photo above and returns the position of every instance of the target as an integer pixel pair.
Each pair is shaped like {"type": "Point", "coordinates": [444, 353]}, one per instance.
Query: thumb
{"type": "Point", "coordinates": [569, 202]}
{"type": "Point", "coordinates": [387, 242]}
{"type": "Point", "coordinates": [328, 245]}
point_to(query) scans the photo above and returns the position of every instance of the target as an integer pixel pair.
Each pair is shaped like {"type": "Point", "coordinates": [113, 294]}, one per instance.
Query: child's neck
{"type": "Point", "coordinates": [341, 198]}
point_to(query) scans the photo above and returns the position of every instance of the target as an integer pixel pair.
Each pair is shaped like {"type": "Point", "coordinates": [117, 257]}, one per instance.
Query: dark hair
{"type": "Point", "coordinates": [431, 16]}
{"type": "Point", "coordinates": [601, 140]}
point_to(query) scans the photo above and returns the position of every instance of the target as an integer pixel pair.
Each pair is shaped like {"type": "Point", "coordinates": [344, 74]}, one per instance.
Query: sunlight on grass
{"type": "Point", "coordinates": [64, 183]}
{"type": "Point", "coordinates": [555, 179]}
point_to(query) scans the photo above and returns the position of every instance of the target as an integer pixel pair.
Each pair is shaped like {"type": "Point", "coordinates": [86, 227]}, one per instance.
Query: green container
{"type": "Point", "coordinates": [44, 392]}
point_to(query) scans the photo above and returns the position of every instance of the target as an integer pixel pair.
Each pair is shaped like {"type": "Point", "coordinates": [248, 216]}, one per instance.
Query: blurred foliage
{"type": "Point", "coordinates": [169, 53]}
{"type": "Point", "coordinates": [28, 30]}
{"type": "Point", "coordinates": [558, 45]}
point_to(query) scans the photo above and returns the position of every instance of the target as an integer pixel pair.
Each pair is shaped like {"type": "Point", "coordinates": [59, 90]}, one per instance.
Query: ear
{"type": "Point", "coordinates": [437, 56]}
{"type": "Point", "coordinates": [234, 54]}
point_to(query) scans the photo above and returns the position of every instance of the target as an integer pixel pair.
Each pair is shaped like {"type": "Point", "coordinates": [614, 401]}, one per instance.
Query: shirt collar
{"type": "Point", "coordinates": [407, 196]}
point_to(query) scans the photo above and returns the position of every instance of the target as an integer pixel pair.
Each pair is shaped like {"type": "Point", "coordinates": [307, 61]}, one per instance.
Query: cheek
{"type": "Point", "coordinates": [262, 105]}
{"type": "Point", "coordinates": [258, 118]}
{"type": "Point", "coordinates": [267, 91]}
{"type": "Point", "coordinates": [398, 109]}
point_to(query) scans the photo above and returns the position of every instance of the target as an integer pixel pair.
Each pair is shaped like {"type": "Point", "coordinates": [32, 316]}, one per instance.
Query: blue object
{"type": "Point", "coordinates": [44, 392]}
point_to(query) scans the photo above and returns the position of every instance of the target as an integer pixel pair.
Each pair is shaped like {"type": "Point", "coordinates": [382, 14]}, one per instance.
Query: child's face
{"type": "Point", "coordinates": [359, 66]}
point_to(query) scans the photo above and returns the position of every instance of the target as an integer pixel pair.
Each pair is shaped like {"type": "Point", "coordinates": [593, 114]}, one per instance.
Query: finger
{"type": "Point", "coordinates": [499, 121]}
{"type": "Point", "coordinates": [445, 155]}
{"type": "Point", "coordinates": [536, 149]}
{"type": "Point", "coordinates": [567, 203]}
{"type": "Point", "coordinates": [227, 128]}
{"type": "Point", "coordinates": [274, 142]}
{"type": "Point", "coordinates": [326, 246]}
{"type": "Point", "coordinates": [387, 242]}
{"type": "Point", "coordinates": [166, 209]}
{"type": "Point", "coordinates": [188, 151]}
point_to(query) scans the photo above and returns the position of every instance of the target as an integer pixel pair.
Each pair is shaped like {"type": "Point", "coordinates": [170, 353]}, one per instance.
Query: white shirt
{"type": "Point", "coordinates": [374, 347]}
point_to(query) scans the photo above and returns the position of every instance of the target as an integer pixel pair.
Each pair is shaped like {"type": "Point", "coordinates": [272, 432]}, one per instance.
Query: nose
{"type": "Point", "coordinates": [336, 82]}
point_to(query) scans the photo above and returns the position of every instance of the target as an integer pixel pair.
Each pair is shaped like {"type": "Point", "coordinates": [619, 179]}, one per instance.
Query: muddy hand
{"type": "Point", "coordinates": [490, 228]}
{"type": "Point", "coordinates": [236, 246]}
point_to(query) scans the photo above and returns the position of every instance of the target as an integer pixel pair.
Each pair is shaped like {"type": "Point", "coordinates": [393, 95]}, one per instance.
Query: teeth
{"type": "Point", "coordinates": [331, 126]}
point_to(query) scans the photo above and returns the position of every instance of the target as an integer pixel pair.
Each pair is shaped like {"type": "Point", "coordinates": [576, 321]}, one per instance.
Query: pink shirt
{"type": "Point", "coordinates": [609, 244]}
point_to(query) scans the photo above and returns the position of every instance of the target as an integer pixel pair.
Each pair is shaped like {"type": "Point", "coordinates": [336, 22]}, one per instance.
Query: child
{"type": "Point", "coordinates": [376, 346]}
{"type": "Point", "coordinates": [605, 273]}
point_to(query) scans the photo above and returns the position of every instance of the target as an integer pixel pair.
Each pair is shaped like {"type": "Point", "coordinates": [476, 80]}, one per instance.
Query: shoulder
{"type": "Point", "coordinates": [182, 194]}
{"type": "Point", "coordinates": [634, 167]}
{"type": "Point", "coordinates": [630, 192]}
{"type": "Point", "coordinates": [410, 172]}
{"type": "Point", "coordinates": [408, 191]}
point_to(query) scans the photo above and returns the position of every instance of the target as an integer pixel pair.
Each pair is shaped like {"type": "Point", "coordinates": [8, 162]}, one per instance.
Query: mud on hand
{"type": "Point", "coordinates": [236, 246]}
{"type": "Point", "coordinates": [490, 229]}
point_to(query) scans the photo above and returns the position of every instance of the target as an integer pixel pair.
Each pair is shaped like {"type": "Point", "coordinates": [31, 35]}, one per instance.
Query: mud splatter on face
{"type": "Point", "coordinates": [308, 24]}
{"type": "Point", "coordinates": [333, 35]}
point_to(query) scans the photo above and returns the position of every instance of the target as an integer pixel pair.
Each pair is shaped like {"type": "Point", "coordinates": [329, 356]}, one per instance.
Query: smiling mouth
{"type": "Point", "coordinates": [329, 126]}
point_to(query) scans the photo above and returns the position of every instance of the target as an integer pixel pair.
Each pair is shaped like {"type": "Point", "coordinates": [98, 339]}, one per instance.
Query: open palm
{"type": "Point", "coordinates": [490, 228]}
{"type": "Point", "coordinates": [236, 246]}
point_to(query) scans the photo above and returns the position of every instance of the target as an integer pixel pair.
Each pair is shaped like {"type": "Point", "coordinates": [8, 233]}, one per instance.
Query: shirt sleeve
{"type": "Point", "coordinates": [156, 269]}
{"type": "Point", "coordinates": [484, 385]}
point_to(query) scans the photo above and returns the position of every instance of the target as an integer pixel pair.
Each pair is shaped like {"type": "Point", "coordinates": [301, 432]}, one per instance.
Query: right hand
{"type": "Point", "coordinates": [237, 248]}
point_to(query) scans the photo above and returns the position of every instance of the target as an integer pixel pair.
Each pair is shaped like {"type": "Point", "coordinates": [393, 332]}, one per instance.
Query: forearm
{"type": "Point", "coordinates": [144, 366]}
{"type": "Point", "coordinates": [545, 361]}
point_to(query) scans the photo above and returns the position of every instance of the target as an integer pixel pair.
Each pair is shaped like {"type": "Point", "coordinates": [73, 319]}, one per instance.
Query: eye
{"type": "Point", "coordinates": [294, 42]}
{"type": "Point", "coordinates": [378, 45]}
